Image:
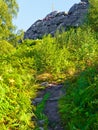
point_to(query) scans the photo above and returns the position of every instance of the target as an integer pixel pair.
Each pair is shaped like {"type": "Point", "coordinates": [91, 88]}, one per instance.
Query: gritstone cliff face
{"type": "Point", "coordinates": [58, 20]}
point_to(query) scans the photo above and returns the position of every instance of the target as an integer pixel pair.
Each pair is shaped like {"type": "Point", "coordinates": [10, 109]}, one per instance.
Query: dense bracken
{"type": "Point", "coordinates": [69, 57]}
{"type": "Point", "coordinates": [79, 107]}
{"type": "Point", "coordinates": [70, 54]}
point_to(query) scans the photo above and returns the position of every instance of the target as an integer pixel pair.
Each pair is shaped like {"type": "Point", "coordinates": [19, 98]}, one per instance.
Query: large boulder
{"type": "Point", "coordinates": [57, 20]}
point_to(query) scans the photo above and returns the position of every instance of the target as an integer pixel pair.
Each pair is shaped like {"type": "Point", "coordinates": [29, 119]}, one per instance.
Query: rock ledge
{"type": "Point", "coordinates": [57, 20]}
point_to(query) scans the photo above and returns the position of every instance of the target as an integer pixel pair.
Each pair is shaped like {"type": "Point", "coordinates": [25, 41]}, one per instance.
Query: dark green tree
{"type": "Point", "coordinates": [93, 14]}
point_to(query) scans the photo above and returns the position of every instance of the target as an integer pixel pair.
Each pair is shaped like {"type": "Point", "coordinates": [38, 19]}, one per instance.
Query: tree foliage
{"type": "Point", "coordinates": [93, 14]}
{"type": "Point", "coordinates": [8, 10]}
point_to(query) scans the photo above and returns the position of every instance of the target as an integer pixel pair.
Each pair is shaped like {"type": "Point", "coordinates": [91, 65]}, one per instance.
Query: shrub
{"type": "Point", "coordinates": [17, 87]}
{"type": "Point", "coordinates": [79, 107]}
{"type": "Point", "coordinates": [6, 48]}
{"type": "Point", "coordinates": [67, 52]}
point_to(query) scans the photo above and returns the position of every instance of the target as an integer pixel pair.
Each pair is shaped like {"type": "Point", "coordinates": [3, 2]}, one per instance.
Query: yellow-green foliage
{"type": "Point", "coordinates": [16, 90]}
{"type": "Point", "coordinates": [63, 56]}
{"type": "Point", "coordinates": [8, 9]}
{"type": "Point", "coordinates": [72, 54]}
{"type": "Point", "coordinates": [66, 52]}
{"type": "Point", "coordinates": [5, 48]}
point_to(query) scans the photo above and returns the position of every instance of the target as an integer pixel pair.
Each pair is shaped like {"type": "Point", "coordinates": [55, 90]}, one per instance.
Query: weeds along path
{"type": "Point", "coordinates": [48, 99]}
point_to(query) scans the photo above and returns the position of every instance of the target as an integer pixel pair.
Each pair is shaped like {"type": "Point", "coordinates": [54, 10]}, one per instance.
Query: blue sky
{"type": "Point", "coordinates": [32, 10]}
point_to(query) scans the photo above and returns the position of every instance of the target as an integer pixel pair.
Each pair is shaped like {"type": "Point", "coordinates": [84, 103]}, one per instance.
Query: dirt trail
{"type": "Point", "coordinates": [51, 106]}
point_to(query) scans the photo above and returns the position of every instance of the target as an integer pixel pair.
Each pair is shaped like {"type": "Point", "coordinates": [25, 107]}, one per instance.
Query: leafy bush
{"type": "Point", "coordinates": [48, 57]}
{"type": "Point", "coordinates": [79, 107]}
{"type": "Point", "coordinates": [17, 87]}
{"type": "Point", "coordinates": [66, 53]}
{"type": "Point", "coordinates": [6, 48]}
{"type": "Point", "coordinates": [93, 14]}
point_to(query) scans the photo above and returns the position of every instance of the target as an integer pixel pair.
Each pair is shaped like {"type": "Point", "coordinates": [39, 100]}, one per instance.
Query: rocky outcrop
{"type": "Point", "coordinates": [58, 20]}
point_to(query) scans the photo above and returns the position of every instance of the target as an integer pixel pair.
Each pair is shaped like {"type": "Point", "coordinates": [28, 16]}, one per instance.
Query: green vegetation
{"type": "Point", "coordinates": [79, 108]}
{"type": "Point", "coordinates": [7, 13]}
{"type": "Point", "coordinates": [39, 112]}
{"type": "Point", "coordinates": [16, 89]}
{"type": "Point", "coordinates": [66, 55]}
{"type": "Point", "coordinates": [70, 57]}
{"type": "Point", "coordinates": [92, 14]}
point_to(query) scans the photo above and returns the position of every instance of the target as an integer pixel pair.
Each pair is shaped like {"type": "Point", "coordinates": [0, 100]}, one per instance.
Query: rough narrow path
{"type": "Point", "coordinates": [51, 106]}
